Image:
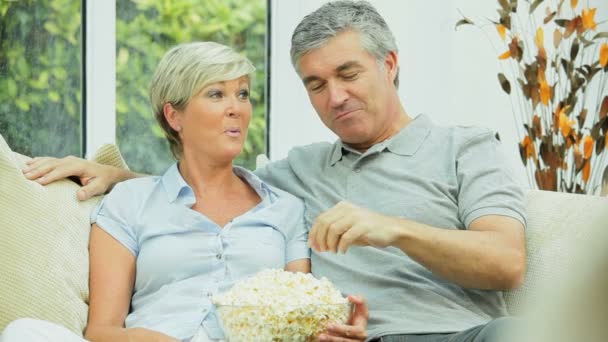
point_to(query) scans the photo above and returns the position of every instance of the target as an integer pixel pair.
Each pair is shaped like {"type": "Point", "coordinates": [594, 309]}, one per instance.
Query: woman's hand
{"type": "Point", "coordinates": [355, 330]}
{"type": "Point", "coordinates": [96, 179]}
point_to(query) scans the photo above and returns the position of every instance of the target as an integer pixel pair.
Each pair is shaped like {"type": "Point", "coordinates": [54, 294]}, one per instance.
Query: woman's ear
{"type": "Point", "coordinates": [173, 117]}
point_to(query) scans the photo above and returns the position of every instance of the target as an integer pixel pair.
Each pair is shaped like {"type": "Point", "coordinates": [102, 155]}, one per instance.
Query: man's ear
{"type": "Point", "coordinates": [391, 65]}
{"type": "Point", "coordinates": [172, 116]}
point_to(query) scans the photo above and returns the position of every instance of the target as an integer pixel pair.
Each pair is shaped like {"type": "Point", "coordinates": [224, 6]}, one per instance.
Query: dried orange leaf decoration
{"type": "Point", "coordinates": [575, 24]}
{"type": "Point", "coordinates": [545, 89]}
{"type": "Point", "coordinates": [586, 171]}
{"type": "Point", "coordinates": [578, 158]}
{"type": "Point", "coordinates": [515, 49]}
{"type": "Point", "coordinates": [502, 31]}
{"type": "Point", "coordinates": [604, 108]}
{"type": "Point", "coordinates": [537, 126]}
{"type": "Point", "coordinates": [505, 55]}
{"type": "Point", "coordinates": [588, 18]}
{"type": "Point", "coordinates": [588, 146]}
{"type": "Point", "coordinates": [565, 124]}
{"type": "Point", "coordinates": [573, 3]}
{"type": "Point", "coordinates": [557, 37]}
{"type": "Point", "coordinates": [604, 55]}
{"type": "Point", "coordinates": [540, 38]}
{"type": "Point", "coordinates": [545, 93]}
{"type": "Point", "coordinates": [527, 148]}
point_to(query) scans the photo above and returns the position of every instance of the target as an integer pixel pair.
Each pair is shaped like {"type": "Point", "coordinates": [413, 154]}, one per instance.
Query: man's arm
{"type": "Point", "coordinates": [491, 254]}
{"type": "Point", "coordinates": [96, 179]}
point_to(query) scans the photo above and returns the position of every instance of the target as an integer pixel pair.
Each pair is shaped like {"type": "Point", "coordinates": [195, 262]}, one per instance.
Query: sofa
{"type": "Point", "coordinates": [45, 230]}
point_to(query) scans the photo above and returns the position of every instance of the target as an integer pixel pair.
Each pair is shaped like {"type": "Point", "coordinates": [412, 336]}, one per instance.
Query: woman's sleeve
{"type": "Point", "coordinates": [115, 214]}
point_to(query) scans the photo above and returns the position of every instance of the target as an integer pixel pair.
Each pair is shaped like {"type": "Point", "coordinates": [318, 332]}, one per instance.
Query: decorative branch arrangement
{"type": "Point", "coordinates": [558, 91]}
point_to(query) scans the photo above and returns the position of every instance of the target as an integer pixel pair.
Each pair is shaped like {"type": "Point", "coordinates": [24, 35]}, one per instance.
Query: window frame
{"type": "Point", "coordinates": [99, 75]}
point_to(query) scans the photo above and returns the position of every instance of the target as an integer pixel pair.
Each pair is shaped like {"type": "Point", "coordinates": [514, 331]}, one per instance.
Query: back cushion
{"type": "Point", "coordinates": [559, 225]}
{"type": "Point", "coordinates": [44, 235]}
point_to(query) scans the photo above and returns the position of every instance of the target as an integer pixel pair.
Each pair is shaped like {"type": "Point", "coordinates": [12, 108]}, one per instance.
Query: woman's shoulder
{"type": "Point", "coordinates": [135, 188]}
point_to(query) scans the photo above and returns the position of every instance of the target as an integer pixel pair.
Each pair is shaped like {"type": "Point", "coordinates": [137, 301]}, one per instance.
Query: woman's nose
{"type": "Point", "coordinates": [235, 107]}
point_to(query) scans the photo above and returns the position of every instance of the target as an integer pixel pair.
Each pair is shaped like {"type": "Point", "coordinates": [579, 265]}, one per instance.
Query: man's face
{"type": "Point", "coordinates": [350, 91]}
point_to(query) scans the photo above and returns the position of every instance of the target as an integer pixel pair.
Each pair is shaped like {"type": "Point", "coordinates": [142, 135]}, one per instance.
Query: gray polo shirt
{"type": "Point", "coordinates": [441, 176]}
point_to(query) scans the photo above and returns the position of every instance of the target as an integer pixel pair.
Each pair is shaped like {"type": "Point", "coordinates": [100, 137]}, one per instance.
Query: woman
{"type": "Point", "coordinates": [161, 247]}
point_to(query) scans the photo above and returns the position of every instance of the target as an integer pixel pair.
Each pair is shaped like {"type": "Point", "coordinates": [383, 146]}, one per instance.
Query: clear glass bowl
{"type": "Point", "coordinates": [279, 323]}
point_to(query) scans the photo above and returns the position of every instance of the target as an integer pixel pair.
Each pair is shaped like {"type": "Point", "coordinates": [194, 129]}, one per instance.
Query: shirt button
{"type": "Point", "coordinates": [209, 294]}
{"type": "Point", "coordinates": [357, 170]}
{"type": "Point", "coordinates": [218, 256]}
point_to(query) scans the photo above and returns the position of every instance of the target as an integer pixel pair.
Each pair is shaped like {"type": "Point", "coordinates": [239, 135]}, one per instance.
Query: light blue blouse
{"type": "Point", "coordinates": [183, 258]}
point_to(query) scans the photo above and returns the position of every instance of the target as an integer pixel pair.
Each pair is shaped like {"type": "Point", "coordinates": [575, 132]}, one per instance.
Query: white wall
{"type": "Point", "coordinates": [449, 75]}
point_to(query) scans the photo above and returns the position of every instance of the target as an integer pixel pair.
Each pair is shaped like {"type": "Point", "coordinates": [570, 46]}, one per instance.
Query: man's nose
{"type": "Point", "coordinates": [337, 94]}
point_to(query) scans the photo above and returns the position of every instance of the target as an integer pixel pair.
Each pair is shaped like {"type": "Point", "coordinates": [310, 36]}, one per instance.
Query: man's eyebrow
{"type": "Point", "coordinates": [339, 69]}
{"type": "Point", "coordinates": [348, 65]}
{"type": "Point", "coordinates": [309, 79]}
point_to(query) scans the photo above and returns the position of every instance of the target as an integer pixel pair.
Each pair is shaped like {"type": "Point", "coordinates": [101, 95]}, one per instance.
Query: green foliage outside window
{"type": "Point", "coordinates": [40, 71]}
{"type": "Point", "coordinates": [40, 75]}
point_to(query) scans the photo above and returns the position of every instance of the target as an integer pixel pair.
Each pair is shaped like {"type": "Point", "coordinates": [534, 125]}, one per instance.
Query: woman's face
{"type": "Point", "coordinates": [214, 124]}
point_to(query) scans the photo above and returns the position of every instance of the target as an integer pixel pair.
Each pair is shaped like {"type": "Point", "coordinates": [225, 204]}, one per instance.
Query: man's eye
{"type": "Point", "coordinates": [316, 87]}
{"type": "Point", "coordinates": [350, 76]}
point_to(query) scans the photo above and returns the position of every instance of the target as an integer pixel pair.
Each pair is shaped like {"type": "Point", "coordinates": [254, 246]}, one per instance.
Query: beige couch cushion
{"type": "Point", "coordinates": [559, 225]}
{"type": "Point", "coordinates": [44, 231]}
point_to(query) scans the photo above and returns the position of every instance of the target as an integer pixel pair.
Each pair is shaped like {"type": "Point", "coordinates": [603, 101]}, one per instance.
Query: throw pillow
{"type": "Point", "coordinates": [44, 237]}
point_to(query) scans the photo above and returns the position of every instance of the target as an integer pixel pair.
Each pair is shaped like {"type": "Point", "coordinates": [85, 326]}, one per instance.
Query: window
{"type": "Point", "coordinates": [145, 30]}
{"type": "Point", "coordinates": [40, 76]}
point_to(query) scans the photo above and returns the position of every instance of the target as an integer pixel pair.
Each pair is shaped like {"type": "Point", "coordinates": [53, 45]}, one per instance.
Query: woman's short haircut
{"type": "Point", "coordinates": [186, 69]}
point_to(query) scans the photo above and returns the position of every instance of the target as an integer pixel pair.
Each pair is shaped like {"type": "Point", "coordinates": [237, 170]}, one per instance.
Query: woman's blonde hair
{"type": "Point", "coordinates": [184, 71]}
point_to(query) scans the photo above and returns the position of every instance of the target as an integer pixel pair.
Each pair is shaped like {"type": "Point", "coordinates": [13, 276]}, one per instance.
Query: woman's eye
{"type": "Point", "coordinates": [215, 94]}
{"type": "Point", "coordinates": [244, 94]}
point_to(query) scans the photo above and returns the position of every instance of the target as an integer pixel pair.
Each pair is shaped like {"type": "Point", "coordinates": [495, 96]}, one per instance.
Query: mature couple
{"type": "Point", "coordinates": [420, 220]}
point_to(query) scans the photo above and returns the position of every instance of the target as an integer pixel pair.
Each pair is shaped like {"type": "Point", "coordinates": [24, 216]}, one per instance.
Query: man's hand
{"type": "Point", "coordinates": [347, 224]}
{"type": "Point", "coordinates": [355, 330]}
{"type": "Point", "coordinates": [95, 178]}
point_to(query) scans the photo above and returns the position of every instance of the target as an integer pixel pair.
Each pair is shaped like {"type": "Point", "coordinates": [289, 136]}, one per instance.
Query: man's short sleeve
{"type": "Point", "coordinates": [486, 185]}
{"type": "Point", "coordinates": [114, 215]}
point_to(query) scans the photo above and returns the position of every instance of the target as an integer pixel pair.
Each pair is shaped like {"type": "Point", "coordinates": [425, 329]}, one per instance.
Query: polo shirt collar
{"type": "Point", "coordinates": [406, 142]}
{"type": "Point", "coordinates": [411, 137]}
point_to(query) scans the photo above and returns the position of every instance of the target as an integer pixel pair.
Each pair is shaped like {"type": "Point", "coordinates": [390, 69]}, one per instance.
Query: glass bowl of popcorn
{"type": "Point", "coordinates": [279, 323]}
{"type": "Point", "coordinates": [275, 305]}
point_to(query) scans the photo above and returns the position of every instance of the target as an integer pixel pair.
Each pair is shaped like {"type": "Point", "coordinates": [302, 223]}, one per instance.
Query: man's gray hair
{"type": "Point", "coordinates": [336, 17]}
{"type": "Point", "coordinates": [186, 69]}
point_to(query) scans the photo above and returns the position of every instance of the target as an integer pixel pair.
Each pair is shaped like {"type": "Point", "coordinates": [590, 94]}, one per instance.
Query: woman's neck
{"type": "Point", "coordinates": [206, 177]}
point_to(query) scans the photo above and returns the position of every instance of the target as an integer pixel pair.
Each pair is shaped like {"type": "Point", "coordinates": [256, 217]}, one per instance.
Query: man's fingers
{"type": "Point", "coordinates": [335, 231]}
{"type": "Point", "coordinates": [94, 187]}
{"type": "Point", "coordinates": [36, 161]}
{"type": "Point", "coordinates": [349, 238]}
{"type": "Point", "coordinates": [329, 338]}
{"type": "Point", "coordinates": [318, 232]}
{"type": "Point", "coordinates": [350, 332]}
{"type": "Point", "coordinates": [361, 312]}
{"type": "Point", "coordinates": [37, 167]}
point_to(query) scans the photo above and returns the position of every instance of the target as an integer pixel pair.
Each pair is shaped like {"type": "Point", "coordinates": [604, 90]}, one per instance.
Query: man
{"type": "Point", "coordinates": [420, 219]}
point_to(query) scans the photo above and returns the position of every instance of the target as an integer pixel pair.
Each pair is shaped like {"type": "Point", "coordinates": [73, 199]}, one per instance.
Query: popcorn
{"type": "Point", "coordinates": [275, 305]}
